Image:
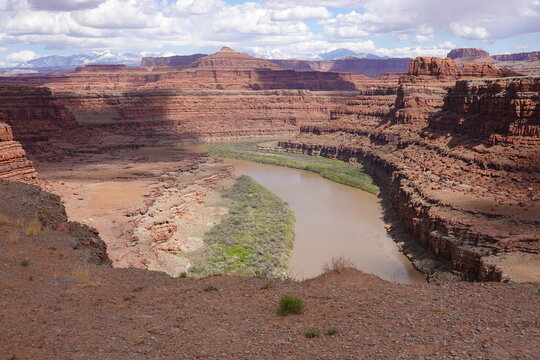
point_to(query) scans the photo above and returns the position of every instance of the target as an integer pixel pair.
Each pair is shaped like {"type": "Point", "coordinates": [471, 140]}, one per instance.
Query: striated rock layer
{"type": "Point", "coordinates": [13, 162]}
{"type": "Point", "coordinates": [458, 162]}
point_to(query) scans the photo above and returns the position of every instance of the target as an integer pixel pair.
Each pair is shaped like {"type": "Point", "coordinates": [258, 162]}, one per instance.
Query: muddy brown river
{"type": "Point", "coordinates": [333, 220]}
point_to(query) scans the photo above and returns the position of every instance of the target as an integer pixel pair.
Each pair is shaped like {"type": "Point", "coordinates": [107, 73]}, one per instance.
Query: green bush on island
{"type": "Point", "coordinates": [335, 170]}
{"type": "Point", "coordinates": [254, 238]}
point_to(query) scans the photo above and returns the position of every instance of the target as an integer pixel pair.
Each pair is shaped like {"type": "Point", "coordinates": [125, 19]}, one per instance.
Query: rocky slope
{"type": "Point", "coordinates": [457, 161]}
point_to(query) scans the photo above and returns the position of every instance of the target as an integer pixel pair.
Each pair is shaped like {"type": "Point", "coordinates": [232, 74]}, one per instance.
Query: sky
{"type": "Point", "coordinates": [281, 29]}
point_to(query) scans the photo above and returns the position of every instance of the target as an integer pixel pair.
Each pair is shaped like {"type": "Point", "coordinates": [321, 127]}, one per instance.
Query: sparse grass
{"type": "Point", "coordinates": [312, 333]}
{"type": "Point", "coordinates": [13, 237]}
{"type": "Point", "coordinates": [289, 304]}
{"type": "Point", "coordinates": [81, 276]}
{"type": "Point", "coordinates": [331, 331]}
{"type": "Point", "coordinates": [24, 263]}
{"type": "Point", "coordinates": [267, 286]}
{"type": "Point", "coordinates": [440, 309]}
{"type": "Point", "coordinates": [211, 288]}
{"type": "Point", "coordinates": [337, 265]}
{"type": "Point", "coordinates": [129, 297]}
{"type": "Point", "coordinates": [33, 228]}
{"type": "Point", "coordinates": [335, 170]}
{"type": "Point", "coordinates": [254, 238]}
{"type": "Point", "coordinates": [183, 274]}
{"type": "Point", "coordinates": [138, 289]}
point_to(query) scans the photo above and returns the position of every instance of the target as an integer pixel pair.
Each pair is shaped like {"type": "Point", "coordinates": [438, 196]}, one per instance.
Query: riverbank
{"type": "Point", "coordinates": [254, 238]}
{"type": "Point", "coordinates": [347, 173]}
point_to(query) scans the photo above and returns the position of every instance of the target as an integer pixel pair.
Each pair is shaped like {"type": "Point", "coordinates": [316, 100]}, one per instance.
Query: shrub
{"type": "Point", "coordinates": [331, 331]}
{"type": "Point", "coordinates": [337, 265]}
{"type": "Point", "coordinates": [34, 227]}
{"type": "Point", "coordinates": [137, 289]}
{"type": "Point", "coordinates": [312, 333]}
{"type": "Point", "coordinates": [211, 288]}
{"type": "Point", "coordinates": [183, 274]}
{"type": "Point", "coordinates": [25, 263]}
{"type": "Point", "coordinates": [289, 304]}
{"type": "Point", "coordinates": [81, 276]}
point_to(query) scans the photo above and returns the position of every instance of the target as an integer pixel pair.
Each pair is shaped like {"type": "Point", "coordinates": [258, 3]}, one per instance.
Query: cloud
{"type": "Point", "coordinates": [22, 56]}
{"type": "Point", "coordinates": [301, 13]}
{"type": "Point", "coordinates": [469, 32]}
{"type": "Point", "coordinates": [64, 5]}
{"type": "Point", "coordinates": [298, 29]}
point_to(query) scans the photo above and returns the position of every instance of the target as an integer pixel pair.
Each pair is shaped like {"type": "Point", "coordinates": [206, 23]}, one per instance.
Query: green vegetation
{"type": "Point", "coordinates": [331, 331]}
{"type": "Point", "coordinates": [312, 333]}
{"type": "Point", "coordinates": [25, 263]}
{"type": "Point", "coordinates": [335, 170]}
{"type": "Point", "coordinates": [211, 288]}
{"type": "Point", "coordinates": [254, 238]}
{"type": "Point", "coordinates": [289, 304]}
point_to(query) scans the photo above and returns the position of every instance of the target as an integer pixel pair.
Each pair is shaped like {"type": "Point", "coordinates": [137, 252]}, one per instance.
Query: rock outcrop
{"type": "Point", "coordinates": [533, 55]}
{"type": "Point", "coordinates": [13, 162]}
{"type": "Point", "coordinates": [469, 53]}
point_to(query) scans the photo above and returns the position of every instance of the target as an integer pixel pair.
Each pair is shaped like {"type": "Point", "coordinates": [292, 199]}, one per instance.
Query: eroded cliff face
{"type": "Point", "coordinates": [457, 161]}
{"type": "Point", "coordinates": [13, 162]}
{"type": "Point", "coordinates": [204, 114]}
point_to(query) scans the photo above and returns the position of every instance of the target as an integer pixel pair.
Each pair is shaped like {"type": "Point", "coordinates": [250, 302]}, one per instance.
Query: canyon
{"type": "Point", "coordinates": [101, 159]}
{"type": "Point", "coordinates": [454, 145]}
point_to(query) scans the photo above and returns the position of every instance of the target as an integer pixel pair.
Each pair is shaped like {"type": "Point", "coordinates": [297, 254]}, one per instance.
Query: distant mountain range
{"type": "Point", "coordinates": [346, 53]}
{"type": "Point", "coordinates": [97, 57]}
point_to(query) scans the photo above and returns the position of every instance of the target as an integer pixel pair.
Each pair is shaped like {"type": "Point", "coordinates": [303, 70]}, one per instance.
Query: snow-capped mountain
{"type": "Point", "coordinates": [340, 53]}
{"type": "Point", "coordinates": [96, 57]}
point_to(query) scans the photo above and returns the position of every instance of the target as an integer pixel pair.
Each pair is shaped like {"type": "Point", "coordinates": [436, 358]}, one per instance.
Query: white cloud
{"type": "Point", "coordinates": [301, 13]}
{"type": "Point", "coordinates": [151, 25]}
{"type": "Point", "coordinates": [469, 32]}
{"type": "Point", "coordinates": [22, 56]}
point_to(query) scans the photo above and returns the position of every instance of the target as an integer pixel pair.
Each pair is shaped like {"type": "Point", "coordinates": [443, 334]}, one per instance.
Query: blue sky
{"type": "Point", "coordinates": [271, 28]}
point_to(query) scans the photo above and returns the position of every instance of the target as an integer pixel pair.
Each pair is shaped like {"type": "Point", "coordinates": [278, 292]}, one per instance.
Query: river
{"type": "Point", "coordinates": [332, 220]}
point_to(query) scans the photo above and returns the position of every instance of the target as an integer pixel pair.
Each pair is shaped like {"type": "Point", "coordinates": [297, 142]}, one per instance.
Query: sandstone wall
{"type": "Point", "coordinates": [205, 113]}
{"type": "Point", "coordinates": [13, 162]}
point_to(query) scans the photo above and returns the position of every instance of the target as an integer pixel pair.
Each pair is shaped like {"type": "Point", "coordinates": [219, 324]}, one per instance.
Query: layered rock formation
{"type": "Point", "coordinates": [199, 114]}
{"type": "Point", "coordinates": [458, 163]}
{"type": "Point", "coordinates": [35, 115]}
{"type": "Point", "coordinates": [469, 53]}
{"type": "Point", "coordinates": [524, 63]}
{"type": "Point", "coordinates": [13, 162]}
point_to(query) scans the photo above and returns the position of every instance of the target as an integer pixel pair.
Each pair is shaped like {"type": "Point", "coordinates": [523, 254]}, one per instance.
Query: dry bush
{"type": "Point", "coordinates": [81, 276]}
{"type": "Point", "coordinates": [13, 237]}
{"type": "Point", "coordinates": [4, 220]}
{"type": "Point", "coordinates": [337, 265]}
{"type": "Point", "coordinates": [34, 227]}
